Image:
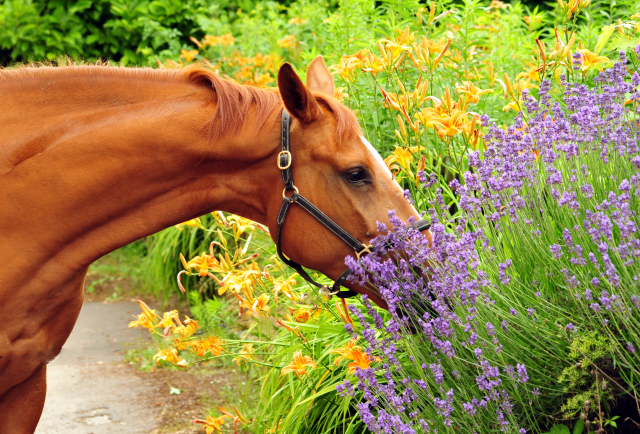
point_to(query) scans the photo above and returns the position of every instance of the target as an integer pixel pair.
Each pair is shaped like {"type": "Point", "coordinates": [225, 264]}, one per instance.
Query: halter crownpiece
{"type": "Point", "coordinates": [284, 164]}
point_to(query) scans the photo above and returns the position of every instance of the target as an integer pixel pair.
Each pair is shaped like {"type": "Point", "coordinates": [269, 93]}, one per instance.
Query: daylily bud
{"type": "Point", "coordinates": [508, 83]}
{"type": "Point", "coordinates": [442, 53]}
{"type": "Point", "coordinates": [567, 49]}
{"type": "Point", "coordinates": [401, 86]}
{"type": "Point", "coordinates": [490, 71]}
{"type": "Point", "coordinates": [403, 130]}
{"type": "Point", "coordinates": [432, 12]}
{"type": "Point", "coordinates": [573, 5]}
{"type": "Point", "coordinates": [543, 53]}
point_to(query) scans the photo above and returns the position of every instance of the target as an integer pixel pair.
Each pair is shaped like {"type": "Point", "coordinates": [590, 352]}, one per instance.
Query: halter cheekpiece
{"type": "Point", "coordinates": [284, 164]}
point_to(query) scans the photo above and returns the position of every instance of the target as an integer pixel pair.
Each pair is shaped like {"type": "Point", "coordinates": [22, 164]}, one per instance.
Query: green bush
{"type": "Point", "coordinates": [131, 32]}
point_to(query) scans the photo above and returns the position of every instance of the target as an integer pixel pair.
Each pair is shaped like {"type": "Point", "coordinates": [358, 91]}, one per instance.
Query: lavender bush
{"type": "Point", "coordinates": [530, 312]}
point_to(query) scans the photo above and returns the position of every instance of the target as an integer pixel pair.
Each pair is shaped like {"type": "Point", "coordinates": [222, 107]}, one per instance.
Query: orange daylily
{"type": "Point", "coordinates": [533, 73]}
{"type": "Point", "coordinates": [297, 21]}
{"type": "Point", "coordinates": [471, 92]}
{"type": "Point", "coordinates": [240, 224]}
{"type": "Point", "coordinates": [224, 40]}
{"type": "Point", "coordinates": [346, 351]}
{"type": "Point", "coordinates": [189, 55]}
{"type": "Point", "coordinates": [346, 67]}
{"type": "Point", "coordinates": [188, 328]}
{"type": "Point", "coordinates": [238, 282]}
{"type": "Point", "coordinates": [288, 42]}
{"type": "Point", "coordinates": [589, 59]}
{"type": "Point", "coordinates": [298, 365]}
{"type": "Point", "coordinates": [286, 287]}
{"type": "Point", "coordinates": [400, 156]}
{"type": "Point", "coordinates": [429, 115]}
{"type": "Point", "coordinates": [451, 125]}
{"type": "Point", "coordinates": [511, 106]}
{"type": "Point", "coordinates": [211, 425]}
{"type": "Point", "coordinates": [146, 319]}
{"type": "Point", "coordinates": [360, 360]}
{"type": "Point", "coordinates": [202, 264]}
{"type": "Point", "coordinates": [170, 355]}
{"type": "Point", "coordinates": [373, 64]}
{"type": "Point", "coordinates": [212, 344]}
{"type": "Point", "coordinates": [237, 417]}
{"type": "Point", "coordinates": [259, 306]}
{"type": "Point", "coordinates": [245, 355]}
{"type": "Point", "coordinates": [193, 223]}
{"type": "Point", "coordinates": [302, 315]}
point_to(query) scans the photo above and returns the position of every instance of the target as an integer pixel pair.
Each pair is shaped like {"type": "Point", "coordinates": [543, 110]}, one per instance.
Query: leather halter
{"type": "Point", "coordinates": [284, 164]}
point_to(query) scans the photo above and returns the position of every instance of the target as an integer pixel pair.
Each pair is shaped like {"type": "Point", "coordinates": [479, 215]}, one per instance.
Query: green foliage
{"type": "Point", "coordinates": [586, 353]}
{"type": "Point", "coordinates": [164, 258]}
{"type": "Point", "coordinates": [131, 32]}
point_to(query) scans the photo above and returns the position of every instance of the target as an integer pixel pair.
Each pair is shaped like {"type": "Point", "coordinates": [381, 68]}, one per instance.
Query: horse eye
{"type": "Point", "coordinates": [356, 176]}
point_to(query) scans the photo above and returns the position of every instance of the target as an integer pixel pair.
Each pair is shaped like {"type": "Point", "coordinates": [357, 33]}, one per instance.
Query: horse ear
{"type": "Point", "coordinates": [319, 79]}
{"type": "Point", "coordinates": [297, 99]}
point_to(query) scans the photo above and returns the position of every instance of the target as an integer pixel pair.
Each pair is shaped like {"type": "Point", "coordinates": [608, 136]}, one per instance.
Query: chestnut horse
{"type": "Point", "coordinates": [94, 157]}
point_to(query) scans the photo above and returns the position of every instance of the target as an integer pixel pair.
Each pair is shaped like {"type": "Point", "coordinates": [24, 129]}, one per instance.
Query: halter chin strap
{"type": "Point", "coordinates": [284, 164]}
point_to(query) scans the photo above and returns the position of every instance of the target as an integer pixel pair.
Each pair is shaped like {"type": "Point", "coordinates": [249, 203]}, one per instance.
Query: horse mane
{"type": "Point", "coordinates": [234, 101]}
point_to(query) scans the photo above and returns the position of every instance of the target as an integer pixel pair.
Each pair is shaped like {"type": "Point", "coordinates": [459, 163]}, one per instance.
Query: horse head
{"type": "Point", "coordinates": [335, 169]}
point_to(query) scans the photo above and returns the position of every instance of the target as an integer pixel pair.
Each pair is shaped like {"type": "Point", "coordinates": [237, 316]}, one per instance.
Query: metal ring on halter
{"type": "Point", "coordinates": [326, 291]}
{"type": "Point", "coordinates": [284, 196]}
{"type": "Point", "coordinates": [288, 154]}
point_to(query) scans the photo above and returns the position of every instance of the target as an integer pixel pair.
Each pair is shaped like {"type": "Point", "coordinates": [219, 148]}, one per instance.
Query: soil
{"type": "Point", "coordinates": [93, 390]}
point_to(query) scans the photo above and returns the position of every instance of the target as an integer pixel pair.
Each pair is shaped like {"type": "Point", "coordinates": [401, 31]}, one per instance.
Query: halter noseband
{"type": "Point", "coordinates": [284, 164]}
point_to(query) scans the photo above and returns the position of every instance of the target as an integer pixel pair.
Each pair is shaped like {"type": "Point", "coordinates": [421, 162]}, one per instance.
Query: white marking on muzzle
{"type": "Point", "coordinates": [377, 157]}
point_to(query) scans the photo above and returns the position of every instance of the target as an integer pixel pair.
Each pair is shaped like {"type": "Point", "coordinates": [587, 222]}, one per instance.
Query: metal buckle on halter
{"type": "Point", "coordinates": [284, 192]}
{"type": "Point", "coordinates": [367, 249]}
{"type": "Point", "coordinates": [282, 154]}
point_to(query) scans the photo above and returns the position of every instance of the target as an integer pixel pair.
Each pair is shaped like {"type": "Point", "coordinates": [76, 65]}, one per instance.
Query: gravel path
{"type": "Point", "coordinates": [90, 389]}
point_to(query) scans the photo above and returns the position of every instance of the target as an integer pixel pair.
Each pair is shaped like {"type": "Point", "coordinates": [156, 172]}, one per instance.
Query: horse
{"type": "Point", "coordinates": [94, 157]}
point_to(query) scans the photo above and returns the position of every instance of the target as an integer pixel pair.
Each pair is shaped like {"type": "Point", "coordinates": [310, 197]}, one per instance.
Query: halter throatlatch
{"type": "Point", "coordinates": [284, 164]}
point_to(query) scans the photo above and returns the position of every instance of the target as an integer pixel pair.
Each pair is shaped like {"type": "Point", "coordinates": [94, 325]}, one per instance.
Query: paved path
{"type": "Point", "coordinates": [90, 390]}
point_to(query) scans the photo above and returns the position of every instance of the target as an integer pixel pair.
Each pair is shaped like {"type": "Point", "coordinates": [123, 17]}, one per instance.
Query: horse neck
{"type": "Point", "coordinates": [94, 164]}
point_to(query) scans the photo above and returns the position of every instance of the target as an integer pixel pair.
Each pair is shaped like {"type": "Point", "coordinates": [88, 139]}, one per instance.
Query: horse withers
{"type": "Point", "coordinates": [94, 157]}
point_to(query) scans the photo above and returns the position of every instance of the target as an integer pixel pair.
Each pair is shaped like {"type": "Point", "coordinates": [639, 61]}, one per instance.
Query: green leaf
{"type": "Point", "coordinates": [560, 429]}
{"type": "Point", "coordinates": [604, 37]}
{"type": "Point", "coordinates": [579, 427]}
{"type": "Point", "coordinates": [174, 390]}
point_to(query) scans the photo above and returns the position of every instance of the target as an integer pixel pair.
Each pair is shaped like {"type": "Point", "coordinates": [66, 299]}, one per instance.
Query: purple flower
{"type": "Point", "coordinates": [569, 327]}
{"type": "Point", "coordinates": [490, 329]}
{"type": "Point", "coordinates": [513, 312]}
{"type": "Point", "coordinates": [522, 373]}
{"type": "Point", "coordinates": [630, 347]}
{"type": "Point", "coordinates": [436, 370]}
{"type": "Point", "coordinates": [504, 326]}
{"type": "Point", "coordinates": [556, 250]}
